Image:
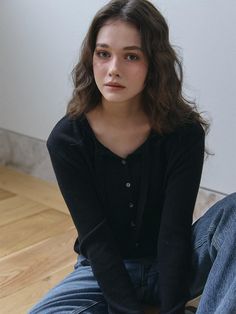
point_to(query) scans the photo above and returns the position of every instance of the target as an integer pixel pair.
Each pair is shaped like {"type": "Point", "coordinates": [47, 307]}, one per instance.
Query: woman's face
{"type": "Point", "coordinates": [118, 58]}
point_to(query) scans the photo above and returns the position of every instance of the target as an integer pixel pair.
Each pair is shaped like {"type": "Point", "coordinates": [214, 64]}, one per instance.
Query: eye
{"type": "Point", "coordinates": [102, 54]}
{"type": "Point", "coordinates": [132, 57]}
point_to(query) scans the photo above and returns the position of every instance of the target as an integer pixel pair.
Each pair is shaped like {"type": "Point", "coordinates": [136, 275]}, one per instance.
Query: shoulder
{"type": "Point", "coordinates": [66, 133]}
{"type": "Point", "coordinates": [187, 133]}
{"type": "Point", "coordinates": [185, 138]}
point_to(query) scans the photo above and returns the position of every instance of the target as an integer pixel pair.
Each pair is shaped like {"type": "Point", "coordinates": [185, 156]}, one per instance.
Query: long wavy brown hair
{"type": "Point", "coordinates": [162, 97]}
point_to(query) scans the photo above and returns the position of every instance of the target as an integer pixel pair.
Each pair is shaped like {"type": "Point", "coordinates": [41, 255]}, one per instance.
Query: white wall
{"type": "Point", "coordinates": [39, 46]}
{"type": "Point", "coordinates": [205, 30]}
{"type": "Point", "coordinates": [40, 43]}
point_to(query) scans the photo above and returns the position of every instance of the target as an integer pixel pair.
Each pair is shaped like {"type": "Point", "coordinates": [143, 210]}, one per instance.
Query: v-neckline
{"type": "Point", "coordinates": [108, 150]}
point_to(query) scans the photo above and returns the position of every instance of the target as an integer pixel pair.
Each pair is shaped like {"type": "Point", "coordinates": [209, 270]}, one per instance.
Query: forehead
{"type": "Point", "coordinates": [118, 33]}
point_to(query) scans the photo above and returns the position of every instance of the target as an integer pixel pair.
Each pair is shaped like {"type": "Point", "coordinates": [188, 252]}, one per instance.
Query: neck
{"type": "Point", "coordinates": [119, 114]}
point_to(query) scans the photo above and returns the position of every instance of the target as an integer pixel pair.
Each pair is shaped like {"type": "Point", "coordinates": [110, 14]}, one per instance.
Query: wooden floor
{"type": "Point", "coordinates": [34, 221]}
{"type": "Point", "coordinates": [36, 240]}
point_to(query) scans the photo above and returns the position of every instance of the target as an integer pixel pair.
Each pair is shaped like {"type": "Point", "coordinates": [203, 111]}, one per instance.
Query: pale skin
{"type": "Point", "coordinates": [119, 122]}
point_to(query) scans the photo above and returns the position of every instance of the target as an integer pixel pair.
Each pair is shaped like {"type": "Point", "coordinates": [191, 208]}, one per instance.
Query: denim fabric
{"type": "Point", "coordinates": [214, 258]}
{"type": "Point", "coordinates": [213, 272]}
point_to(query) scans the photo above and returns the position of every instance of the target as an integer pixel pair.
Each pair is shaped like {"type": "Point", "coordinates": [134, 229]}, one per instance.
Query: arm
{"type": "Point", "coordinates": [185, 161]}
{"type": "Point", "coordinates": [95, 236]}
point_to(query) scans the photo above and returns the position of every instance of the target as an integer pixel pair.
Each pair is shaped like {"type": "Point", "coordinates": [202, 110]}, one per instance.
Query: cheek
{"type": "Point", "coordinates": [140, 70]}
{"type": "Point", "coordinates": [95, 68]}
{"type": "Point", "coordinates": [98, 73]}
{"type": "Point", "coordinates": [98, 67]}
{"type": "Point", "coordinates": [140, 74]}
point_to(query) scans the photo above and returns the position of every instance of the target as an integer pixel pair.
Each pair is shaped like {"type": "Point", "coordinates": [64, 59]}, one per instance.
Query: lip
{"type": "Point", "coordinates": [114, 84]}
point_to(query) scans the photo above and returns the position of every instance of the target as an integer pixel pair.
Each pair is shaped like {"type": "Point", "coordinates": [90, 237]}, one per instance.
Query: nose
{"type": "Point", "coordinates": [114, 68]}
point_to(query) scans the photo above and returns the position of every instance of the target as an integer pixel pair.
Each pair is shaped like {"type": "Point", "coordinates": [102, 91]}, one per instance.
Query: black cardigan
{"type": "Point", "coordinates": [134, 207]}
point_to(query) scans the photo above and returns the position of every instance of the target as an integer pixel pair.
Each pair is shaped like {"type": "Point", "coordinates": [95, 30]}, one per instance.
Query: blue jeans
{"type": "Point", "coordinates": [213, 272]}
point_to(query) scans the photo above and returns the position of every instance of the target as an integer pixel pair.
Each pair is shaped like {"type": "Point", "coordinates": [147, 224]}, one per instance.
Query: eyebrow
{"type": "Point", "coordinates": [125, 48]}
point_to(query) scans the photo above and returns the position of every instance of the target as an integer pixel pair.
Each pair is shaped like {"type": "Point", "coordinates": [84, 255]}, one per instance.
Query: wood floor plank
{"type": "Point", "coordinates": [24, 299]}
{"type": "Point", "coordinates": [194, 302]}
{"type": "Point", "coordinates": [33, 188]}
{"type": "Point", "coordinates": [31, 265]}
{"type": "Point", "coordinates": [33, 229]}
{"type": "Point", "coordinates": [5, 194]}
{"type": "Point", "coordinates": [18, 207]}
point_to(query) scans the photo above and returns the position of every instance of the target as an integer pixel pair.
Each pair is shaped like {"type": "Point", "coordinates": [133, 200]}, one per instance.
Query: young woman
{"type": "Point", "coordinates": [128, 158]}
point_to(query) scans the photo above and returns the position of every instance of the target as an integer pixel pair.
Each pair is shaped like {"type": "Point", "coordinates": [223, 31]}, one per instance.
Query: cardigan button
{"type": "Point", "coordinates": [133, 225]}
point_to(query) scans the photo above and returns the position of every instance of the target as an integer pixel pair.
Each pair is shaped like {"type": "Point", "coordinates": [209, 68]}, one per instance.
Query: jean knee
{"type": "Point", "coordinates": [229, 205]}
{"type": "Point", "coordinates": [226, 207]}
{"type": "Point", "coordinates": [232, 198]}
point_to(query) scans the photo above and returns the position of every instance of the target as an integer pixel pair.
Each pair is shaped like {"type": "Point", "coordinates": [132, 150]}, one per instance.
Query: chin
{"type": "Point", "coordinates": [115, 99]}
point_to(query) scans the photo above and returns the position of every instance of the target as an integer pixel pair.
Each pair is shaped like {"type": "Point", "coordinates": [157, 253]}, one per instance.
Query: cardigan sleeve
{"type": "Point", "coordinates": [185, 155]}
{"type": "Point", "coordinates": [95, 235]}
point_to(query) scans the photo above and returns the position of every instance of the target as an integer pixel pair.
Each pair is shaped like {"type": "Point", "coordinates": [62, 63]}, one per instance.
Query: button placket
{"type": "Point", "coordinates": [129, 187]}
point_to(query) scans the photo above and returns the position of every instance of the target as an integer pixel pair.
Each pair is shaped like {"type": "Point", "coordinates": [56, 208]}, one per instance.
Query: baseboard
{"type": "Point", "coordinates": [25, 154]}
